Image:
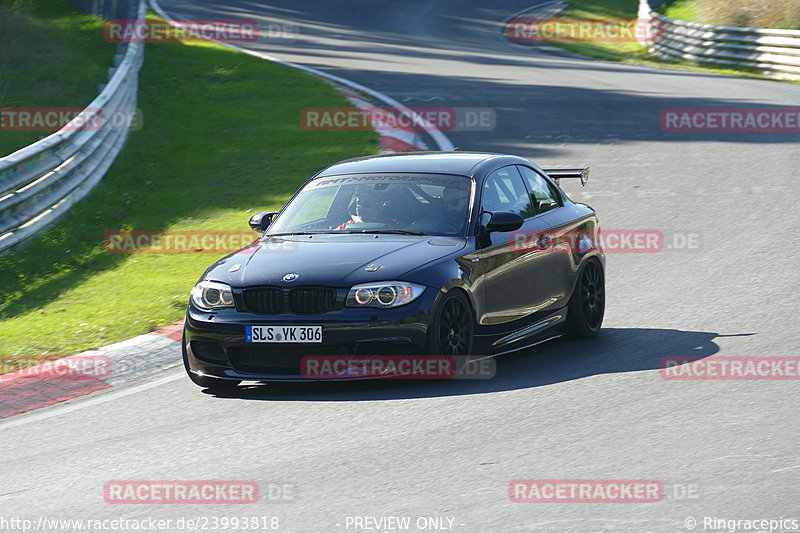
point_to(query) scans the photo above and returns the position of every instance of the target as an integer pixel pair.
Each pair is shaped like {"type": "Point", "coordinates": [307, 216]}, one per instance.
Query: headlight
{"type": "Point", "coordinates": [383, 295]}
{"type": "Point", "coordinates": [212, 295]}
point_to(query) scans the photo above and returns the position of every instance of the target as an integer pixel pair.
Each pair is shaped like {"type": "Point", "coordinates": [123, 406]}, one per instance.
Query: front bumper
{"type": "Point", "coordinates": [215, 346]}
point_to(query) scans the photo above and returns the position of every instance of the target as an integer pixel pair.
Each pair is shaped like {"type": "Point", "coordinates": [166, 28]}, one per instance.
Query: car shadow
{"type": "Point", "coordinates": [615, 350]}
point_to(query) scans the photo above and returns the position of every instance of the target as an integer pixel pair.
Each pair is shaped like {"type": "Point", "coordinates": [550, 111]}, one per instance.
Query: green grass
{"type": "Point", "coordinates": [633, 52]}
{"type": "Point", "coordinates": [605, 9]}
{"type": "Point", "coordinates": [783, 14]}
{"type": "Point", "coordinates": [221, 139]}
{"type": "Point", "coordinates": [682, 10]}
{"type": "Point", "coordinates": [50, 56]}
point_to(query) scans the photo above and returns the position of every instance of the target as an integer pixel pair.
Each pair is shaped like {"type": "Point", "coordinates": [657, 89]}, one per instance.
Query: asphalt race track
{"type": "Point", "coordinates": [725, 283]}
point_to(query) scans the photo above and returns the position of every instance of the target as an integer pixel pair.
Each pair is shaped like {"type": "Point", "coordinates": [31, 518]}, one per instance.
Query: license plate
{"type": "Point", "coordinates": [304, 334]}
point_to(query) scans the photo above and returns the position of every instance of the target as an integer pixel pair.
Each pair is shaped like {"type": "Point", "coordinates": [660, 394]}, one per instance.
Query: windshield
{"type": "Point", "coordinates": [425, 204]}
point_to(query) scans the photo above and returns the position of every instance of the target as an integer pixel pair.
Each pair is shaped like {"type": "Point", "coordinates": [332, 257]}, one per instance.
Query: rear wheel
{"type": "Point", "coordinates": [451, 329]}
{"type": "Point", "coordinates": [588, 302]}
{"type": "Point", "coordinates": [205, 381]}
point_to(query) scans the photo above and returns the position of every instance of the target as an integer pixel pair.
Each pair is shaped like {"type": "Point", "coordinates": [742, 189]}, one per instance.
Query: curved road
{"type": "Point", "coordinates": [567, 410]}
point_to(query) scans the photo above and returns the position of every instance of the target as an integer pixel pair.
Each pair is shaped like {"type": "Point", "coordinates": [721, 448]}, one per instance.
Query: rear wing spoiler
{"type": "Point", "coordinates": [558, 173]}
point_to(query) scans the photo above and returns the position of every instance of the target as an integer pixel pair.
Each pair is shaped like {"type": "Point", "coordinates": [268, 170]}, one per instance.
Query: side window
{"type": "Point", "coordinates": [504, 190]}
{"type": "Point", "coordinates": [543, 195]}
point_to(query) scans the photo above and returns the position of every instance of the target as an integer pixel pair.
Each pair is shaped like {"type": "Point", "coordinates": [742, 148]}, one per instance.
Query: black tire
{"type": "Point", "coordinates": [205, 381]}
{"type": "Point", "coordinates": [588, 302]}
{"type": "Point", "coordinates": [452, 326]}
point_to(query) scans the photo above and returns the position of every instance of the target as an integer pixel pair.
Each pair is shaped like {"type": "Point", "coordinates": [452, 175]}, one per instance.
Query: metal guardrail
{"type": "Point", "coordinates": [40, 182]}
{"type": "Point", "coordinates": [772, 51]}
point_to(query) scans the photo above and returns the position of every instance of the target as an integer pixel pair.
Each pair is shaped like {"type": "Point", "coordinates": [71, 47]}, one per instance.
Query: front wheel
{"type": "Point", "coordinates": [588, 302]}
{"type": "Point", "coordinates": [205, 381]}
{"type": "Point", "coordinates": [451, 328]}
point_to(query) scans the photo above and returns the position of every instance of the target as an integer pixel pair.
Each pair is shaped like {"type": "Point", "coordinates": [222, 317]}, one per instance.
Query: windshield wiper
{"type": "Point", "coordinates": [389, 231]}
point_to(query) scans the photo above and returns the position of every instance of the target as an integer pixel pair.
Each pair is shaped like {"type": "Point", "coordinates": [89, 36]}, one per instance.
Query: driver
{"type": "Point", "coordinates": [455, 205]}
{"type": "Point", "coordinates": [369, 209]}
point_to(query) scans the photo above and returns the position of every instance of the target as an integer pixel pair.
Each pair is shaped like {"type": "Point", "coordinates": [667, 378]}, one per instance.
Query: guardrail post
{"type": "Point", "coordinates": [644, 33]}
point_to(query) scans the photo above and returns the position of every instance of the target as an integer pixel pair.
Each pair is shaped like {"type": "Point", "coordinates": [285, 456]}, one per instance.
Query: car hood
{"type": "Point", "coordinates": [331, 260]}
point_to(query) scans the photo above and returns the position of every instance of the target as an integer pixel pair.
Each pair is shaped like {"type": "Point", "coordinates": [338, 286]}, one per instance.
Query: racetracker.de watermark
{"type": "Point", "coordinates": [585, 491]}
{"type": "Point", "coordinates": [69, 119]}
{"type": "Point", "coordinates": [343, 367]}
{"type": "Point", "coordinates": [187, 242]}
{"type": "Point", "coordinates": [535, 30]}
{"type": "Point", "coordinates": [607, 240]}
{"type": "Point", "coordinates": [730, 368]}
{"type": "Point", "coordinates": [72, 367]}
{"type": "Point", "coordinates": [180, 492]}
{"type": "Point", "coordinates": [385, 120]}
{"type": "Point", "coordinates": [741, 119]}
{"type": "Point", "coordinates": [168, 31]}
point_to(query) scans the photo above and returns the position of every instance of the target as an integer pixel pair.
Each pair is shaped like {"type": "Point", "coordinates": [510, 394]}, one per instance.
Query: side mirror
{"type": "Point", "coordinates": [504, 221]}
{"type": "Point", "coordinates": [261, 221]}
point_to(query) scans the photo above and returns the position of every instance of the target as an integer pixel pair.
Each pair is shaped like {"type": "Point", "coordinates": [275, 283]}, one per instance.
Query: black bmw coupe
{"type": "Point", "coordinates": [417, 255]}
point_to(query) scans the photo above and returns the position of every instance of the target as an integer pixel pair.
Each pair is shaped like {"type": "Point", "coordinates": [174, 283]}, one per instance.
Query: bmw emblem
{"type": "Point", "coordinates": [291, 276]}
